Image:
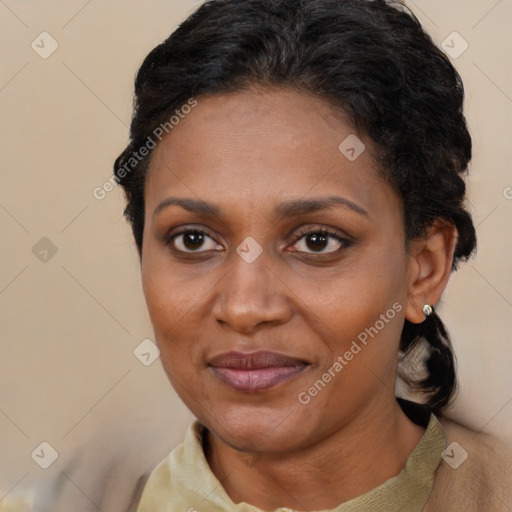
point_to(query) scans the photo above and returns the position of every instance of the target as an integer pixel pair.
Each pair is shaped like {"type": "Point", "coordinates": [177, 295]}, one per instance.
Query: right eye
{"type": "Point", "coordinates": [191, 241]}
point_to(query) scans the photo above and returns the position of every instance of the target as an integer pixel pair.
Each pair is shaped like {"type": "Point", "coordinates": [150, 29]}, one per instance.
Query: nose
{"type": "Point", "coordinates": [251, 295]}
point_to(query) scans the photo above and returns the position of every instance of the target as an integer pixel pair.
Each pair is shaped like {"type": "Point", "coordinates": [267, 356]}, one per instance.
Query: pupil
{"type": "Point", "coordinates": [317, 241]}
{"type": "Point", "coordinates": [193, 240]}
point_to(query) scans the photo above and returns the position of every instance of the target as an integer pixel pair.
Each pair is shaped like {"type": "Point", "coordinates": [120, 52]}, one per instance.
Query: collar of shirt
{"type": "Point", "coordinates": [184, 481]}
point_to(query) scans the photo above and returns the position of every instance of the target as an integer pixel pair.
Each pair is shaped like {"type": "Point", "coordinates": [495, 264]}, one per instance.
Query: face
{"type": "Point", "coordinates": [274, 269]}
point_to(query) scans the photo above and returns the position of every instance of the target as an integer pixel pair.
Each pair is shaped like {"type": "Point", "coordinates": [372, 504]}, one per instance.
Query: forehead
{"type": "Point", "coordinates": [257, 147]}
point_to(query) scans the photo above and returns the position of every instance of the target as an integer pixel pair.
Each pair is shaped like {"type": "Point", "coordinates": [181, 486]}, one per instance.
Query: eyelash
{"type": "Point", "coordinates": [345, 242]}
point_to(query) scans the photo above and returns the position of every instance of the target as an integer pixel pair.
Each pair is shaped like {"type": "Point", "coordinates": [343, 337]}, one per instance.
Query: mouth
{"type": "Point", "coordinates": [257, 371]}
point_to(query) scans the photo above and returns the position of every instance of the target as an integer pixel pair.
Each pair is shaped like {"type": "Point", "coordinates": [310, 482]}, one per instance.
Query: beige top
{"type": "Point", "coordinates": [184, 481]}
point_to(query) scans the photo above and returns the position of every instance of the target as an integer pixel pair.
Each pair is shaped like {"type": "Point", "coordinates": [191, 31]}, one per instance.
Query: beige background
{"type": "Point", "coordinates": [70, 325]}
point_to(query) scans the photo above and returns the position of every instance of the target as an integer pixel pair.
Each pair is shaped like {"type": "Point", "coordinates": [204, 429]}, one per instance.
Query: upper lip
{"type": "Point", "coordinates": [254, 360]}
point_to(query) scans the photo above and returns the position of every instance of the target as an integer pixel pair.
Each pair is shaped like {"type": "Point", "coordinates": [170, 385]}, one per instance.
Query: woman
{"type": "Point", "coordinates": [294, 186]}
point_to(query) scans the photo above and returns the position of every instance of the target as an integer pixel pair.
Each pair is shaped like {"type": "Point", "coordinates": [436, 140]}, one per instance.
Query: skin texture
{"type": "Point", "coordinates": [247, 152]}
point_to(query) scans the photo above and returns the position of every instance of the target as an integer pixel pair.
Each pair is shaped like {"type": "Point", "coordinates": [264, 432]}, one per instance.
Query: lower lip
{"type": "Point", "coordinates": [256, 380]}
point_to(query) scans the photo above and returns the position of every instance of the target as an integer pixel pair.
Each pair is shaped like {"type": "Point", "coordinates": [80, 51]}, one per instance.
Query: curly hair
{"type": "Point", "coordinates": [372, 60]}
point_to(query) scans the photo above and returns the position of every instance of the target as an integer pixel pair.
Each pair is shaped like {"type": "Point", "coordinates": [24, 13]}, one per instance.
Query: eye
{"type": "Point", "coordinates": [320, 241]}
{"type": "Point", "coordinates": [192, 240]}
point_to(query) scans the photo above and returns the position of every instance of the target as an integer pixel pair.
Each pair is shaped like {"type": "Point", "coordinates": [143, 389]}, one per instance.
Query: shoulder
{"type": "Point", "coordinates": [475, 473]}
{"type": "Point", "coordinates": [109, 470]}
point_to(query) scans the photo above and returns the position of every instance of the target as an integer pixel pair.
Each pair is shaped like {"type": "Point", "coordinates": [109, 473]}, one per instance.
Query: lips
{"type": "Point", "coordinates": [257, 371]}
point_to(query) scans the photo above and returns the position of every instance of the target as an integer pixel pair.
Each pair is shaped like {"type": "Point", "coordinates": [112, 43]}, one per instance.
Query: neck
{"type": "Point", "coordinates": [371, 449]}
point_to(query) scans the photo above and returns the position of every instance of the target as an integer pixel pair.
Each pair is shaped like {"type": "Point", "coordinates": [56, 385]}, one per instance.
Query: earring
{"type": "Point", "coordinates": [427, 310]}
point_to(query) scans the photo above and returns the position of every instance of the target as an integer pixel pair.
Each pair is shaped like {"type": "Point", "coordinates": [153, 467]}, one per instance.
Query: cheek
{"type": "Point", "coordinates": [353, 297]}
{"type": "Point", "coordinates": [167, 302]}
{"type": "Point", "coordinates": [358, 313]}
{"type": "Point", "coordinates": [170, 295]}
{"type": "Point", "coordinates": [176, 303]}
{"type": "Point", "coordinates": [360, 338]}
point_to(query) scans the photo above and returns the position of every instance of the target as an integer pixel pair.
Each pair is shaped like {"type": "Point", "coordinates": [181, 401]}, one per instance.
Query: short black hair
{"type": "Point", "coordinates": [373, 61]}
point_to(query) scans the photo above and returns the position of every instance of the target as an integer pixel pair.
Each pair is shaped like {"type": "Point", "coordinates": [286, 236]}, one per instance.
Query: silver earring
{"type": "Point", "coordinates": [427, 310]}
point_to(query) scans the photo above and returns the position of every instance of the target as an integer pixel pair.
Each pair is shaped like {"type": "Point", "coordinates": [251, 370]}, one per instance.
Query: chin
{"type": "Point", "coordinates": [255, 430]}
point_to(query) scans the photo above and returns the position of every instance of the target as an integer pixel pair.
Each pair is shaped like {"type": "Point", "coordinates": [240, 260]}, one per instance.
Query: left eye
{"type": "Point", "coordinates": [318, 241]}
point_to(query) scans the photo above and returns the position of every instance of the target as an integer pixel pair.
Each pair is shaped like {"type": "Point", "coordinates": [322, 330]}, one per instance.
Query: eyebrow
{"type": "Point", "coordinates": [298, 207]}
{"type": "Point", "coordinates": [293, 208]}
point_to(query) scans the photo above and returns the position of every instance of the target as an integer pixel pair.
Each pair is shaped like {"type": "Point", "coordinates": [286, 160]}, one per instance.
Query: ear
{"type": "Point", "coordinates": [430, 266]}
